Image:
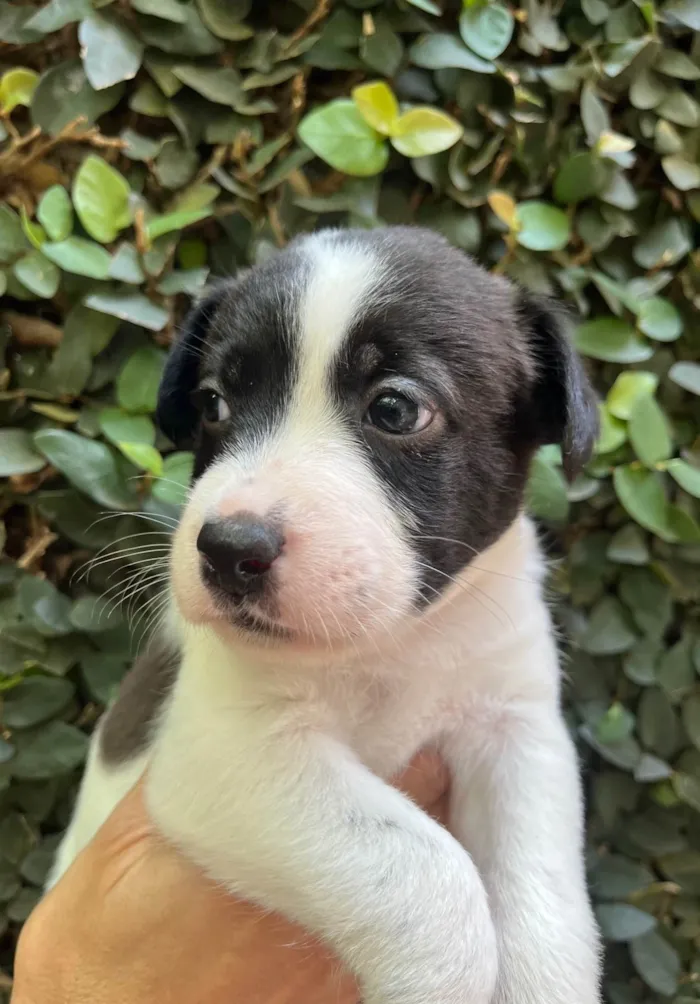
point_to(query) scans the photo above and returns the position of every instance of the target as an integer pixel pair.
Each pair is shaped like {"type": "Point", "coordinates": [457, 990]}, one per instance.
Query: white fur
{"type": "Point", "coordinates": [268, 767]}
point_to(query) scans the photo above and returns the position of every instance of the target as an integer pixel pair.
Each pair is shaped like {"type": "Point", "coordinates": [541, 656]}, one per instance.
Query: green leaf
{"type": "Point", "coordinates": [169, 10]}
{"type": "Point", "coordinates": [17, 87]}
{"type": "Point", "coordinates": [682, 173]}
{"type": "Point", "coordinates": [546, 491]}
{"type": "Point", "coordinates": [338, 134]}
{"type": "Point", "coordinates": [664, 244]}
{"type": "Point", "coordinates": [133, 307]}
{"type": "Point", "coordinates": [626, 391]}
{"type": "Point", "coordinates": [487, 29]}
{"type": "Point", "coordinates": [612, 340]}
{"type": "Point", "coordinates": [44, 607]}
{"type": "Point", "coordinates": [628, 547]}
{"type": "Point", "coordinates": [157, 226]}
{"type": "Point", "coordinates": [656, 962]}
{"type": "Point", "coordinates": [139, 379]}
{"type": "Point", "coordinates": [144, 456]}
{"type": "Point", "coordinates": [221, 84]}
{"type": "Point", "coordinates": [608, 631]}
{"type": "Point", "coordinates": [110, 52]}
{"type": "Point", "coordinates": [57, 749]}
{"type": "Point", "coordinates": [622, 922]}
{"type": "Point", "coordinates": [641, 493]}
{"type": "Point", "coordinates": [126, 265]}
{"type": "Point", "coordinates": [659, 319]}
{"type": "Point", "coordinates": [38, 274]}
{"type": "Point", "coordinates": [57, 14]}
{"type": "Point", "coordinates": [224, 18]}
{"type": "Point", "coordinates": [12, 238]}
{"type": "Point", "coordinates": [89, 465]}
{"type": "Point", "coordinates": [101, 199]}
{"type": "Point", "coordinates": [377, 105]}
{"type": "Point", "coordinates": [648, 431]}
{"type": "Point", "coordinates": [441, 51]}
{"type": "Point", "coordinates": [119, 426]}
{"type": "Point", "coordinates": [421, 132]}
{"type": "Point", "coordinates": [94, 614]}
{"type": "Point", "coordinates": [79, 256]}
{"type": "Point", "coordinates": [686, 476]}
{"type": "Point", "coordinates": [35, 700]}
{"type": "Point", "coordinates": [541, 227]}
{"type": "Point", "coordinates": [55, 213]}
{"type": "Point", "coordinates": [64, 93]}
{"type": "Point", "coordinates": [687, 376]}
{"type": "Point", "coordinates": [582, 176]}
{"type": "Point", "coordinates": [18, 455]}
{"type": "Point", "coordinates": [177, 474]}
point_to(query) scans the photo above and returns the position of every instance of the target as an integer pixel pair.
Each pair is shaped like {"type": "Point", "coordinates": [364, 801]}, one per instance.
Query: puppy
{"type": "Point", "coordinates": [353, 579]}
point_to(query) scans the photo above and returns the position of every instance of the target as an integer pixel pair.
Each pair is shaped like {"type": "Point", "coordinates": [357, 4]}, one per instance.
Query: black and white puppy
{"type": "Point", "coordinates": [352, 579]}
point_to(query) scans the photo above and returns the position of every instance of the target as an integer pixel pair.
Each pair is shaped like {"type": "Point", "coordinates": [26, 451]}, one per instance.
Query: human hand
{"type": "Point", "coordinates": [133, 922]}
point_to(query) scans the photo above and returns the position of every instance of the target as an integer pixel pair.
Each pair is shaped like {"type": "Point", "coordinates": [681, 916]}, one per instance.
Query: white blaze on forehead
{"type": "Point", "coordinates": [343, 278]}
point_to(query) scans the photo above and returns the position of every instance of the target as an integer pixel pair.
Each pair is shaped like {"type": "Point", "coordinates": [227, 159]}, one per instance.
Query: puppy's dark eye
{"type": "Point", "coordinates": [212, 406]}
{"type": "Point", "coordinates": [398, 414]}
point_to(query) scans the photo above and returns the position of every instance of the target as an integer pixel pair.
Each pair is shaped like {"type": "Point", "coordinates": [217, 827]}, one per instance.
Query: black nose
{"type": "Point", "coordinates": [238, 552]}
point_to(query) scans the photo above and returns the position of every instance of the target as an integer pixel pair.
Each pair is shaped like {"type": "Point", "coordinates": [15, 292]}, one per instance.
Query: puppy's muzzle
{"type": "Point", "coordinates": [237, 553]}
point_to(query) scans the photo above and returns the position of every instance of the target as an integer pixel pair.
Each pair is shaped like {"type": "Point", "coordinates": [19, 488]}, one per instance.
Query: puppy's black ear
{"type": "Point", "coordinates": [565, 408]}
{"type": "Point", "coordinates": [175, 412]}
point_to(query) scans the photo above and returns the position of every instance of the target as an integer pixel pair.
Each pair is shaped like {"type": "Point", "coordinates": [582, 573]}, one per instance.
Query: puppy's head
{"type": "Point", "coordinates": [363, 409]}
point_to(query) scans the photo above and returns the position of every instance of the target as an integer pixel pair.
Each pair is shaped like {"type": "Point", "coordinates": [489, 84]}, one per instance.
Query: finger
{"type": "Point", "coordinates": [425, 780]}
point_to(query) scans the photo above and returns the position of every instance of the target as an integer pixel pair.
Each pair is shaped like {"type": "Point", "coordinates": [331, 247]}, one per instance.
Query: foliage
{"type": "Point", "coordinates": [148, 144]}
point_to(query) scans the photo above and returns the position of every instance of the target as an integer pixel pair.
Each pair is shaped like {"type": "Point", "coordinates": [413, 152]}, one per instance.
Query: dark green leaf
{"type": "Point", "coordinates": [622, 922]}
{"type": "Point", "coordinates": [18, 455]}
{"type": "Point", "coordinates": [55, 750]}
{"type": "Point", "coordinates": [139, 379]}
{"type": "Point", "coordinates": [64, 94]}
{"type": "Point", "coordinates": [90, 466]}
{"type": "Point", "coordinates": [34, 700]}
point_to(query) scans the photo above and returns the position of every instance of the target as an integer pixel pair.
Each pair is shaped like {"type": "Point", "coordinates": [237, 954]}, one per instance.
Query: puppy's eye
{"type": "Point", "coordinates": [398, 414]}
{"type": "Point", "coordinates": [212, 407]}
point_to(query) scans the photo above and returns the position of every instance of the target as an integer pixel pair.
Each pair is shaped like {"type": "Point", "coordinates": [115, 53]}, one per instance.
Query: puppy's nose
{"type": "Point", "coordinates": [238, 551]}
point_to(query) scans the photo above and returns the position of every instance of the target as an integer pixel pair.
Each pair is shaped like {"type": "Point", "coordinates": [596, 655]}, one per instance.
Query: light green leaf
{"type": "Point", "coordinates": [133, 307]}
{"type": "Point", "coordinates": [139, 379]}
{"type": "Point", "coordinates": [110, 52]}
{"type": "Point", "coordinates": [38, 274]}
{"type": "Point", "coordinates": [44, 607]}
{"type": "Point", "coordinates": [687, 376]}
{"type": "Point", "coordinates": [94, 614]}
{"type": "Point", "coordinates": [613, 432]}
{"type": "Point", "coordinates": [18, 455]}
{"type": "Point", "coordinates": [648, 431]}
{"type": "Point", "coordinates": [177, 474]}
{"type": "Point", "coordinates": [144, 456]}
{"type": "Point", "coordinates": [121, 426]}
{"type": "Point", "coordinates": [101, 199]}
{"type": "Point", "coordinates": [79, 256]}
{"type": "Point", "coordinates": [612, 340]}
{"type": "Point", "coordinates": [441, 51]}
{"type": "Point", "coordinates": [57, 14]}
{"type": "Point", "coordinates": [55, 213]}
{"type": "Point", "coordinates": [641, 493]}
{"type": "Point", "coordinates": [126, 265]}
{"type": "Point", "coordinates": [17, 87]}
{"type": "Point", "coordinates": [681, 172]}
{"type": "Point", "coordinates": [541, 227]}
{"type": "Point", "coordinates": [659, 319]}
{"type": "Point", "coordinates": [487, 28]}
{"type": "Point", "coordinates": [338, 134]}
{"type": "Point", "coordinates": [377, 105]}
{"type": "Point", "coordinates": [88, 464]}
{"type": "Point", "coordinates": [421, 132]}
{"type": "Point", "coordinates": [627, 389]}
{"type": "Point", "coordinates": [685, 475]}
{"type": "Point", "coordinates": [157, 226]}
{"type": "Point", "coordinates": [546, 491]}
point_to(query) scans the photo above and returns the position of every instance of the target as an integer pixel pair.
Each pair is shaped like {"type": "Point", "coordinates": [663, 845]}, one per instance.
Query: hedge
{"type": "Point", "coordinates": [146, 145]}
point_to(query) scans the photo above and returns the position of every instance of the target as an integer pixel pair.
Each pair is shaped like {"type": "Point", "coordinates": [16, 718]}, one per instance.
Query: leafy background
{"type": "Point", "coordinates": [148, 144]}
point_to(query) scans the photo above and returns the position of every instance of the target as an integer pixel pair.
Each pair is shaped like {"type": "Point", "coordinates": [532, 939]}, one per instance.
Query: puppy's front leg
{"type": "Point", "coordinates": [289, 818]}
{"type": "Point", "coordinates": [517, 807]}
